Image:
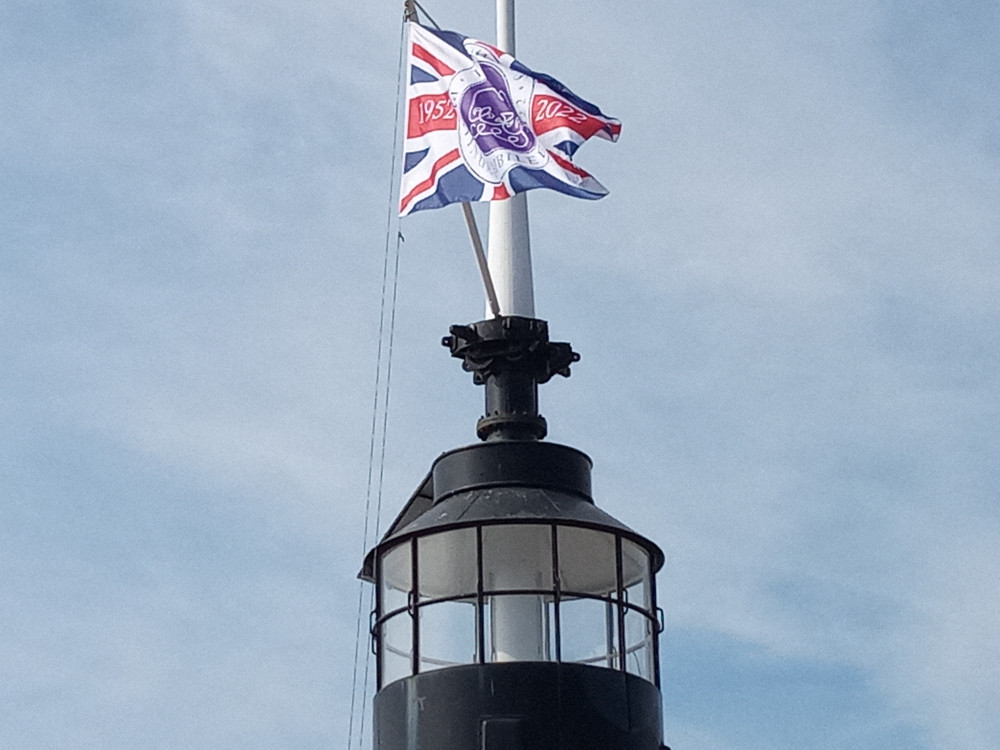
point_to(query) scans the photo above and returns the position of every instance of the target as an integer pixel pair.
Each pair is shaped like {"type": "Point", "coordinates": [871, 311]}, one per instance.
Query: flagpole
{"type": "Point", "coordinates": [492, 303]}
{"type": "Point", "coordinates": [509, 241]}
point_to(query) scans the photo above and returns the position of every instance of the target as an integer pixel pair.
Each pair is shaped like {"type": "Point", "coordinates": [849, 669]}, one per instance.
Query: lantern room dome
{"type": "Point", "coordinates": [506, 482]}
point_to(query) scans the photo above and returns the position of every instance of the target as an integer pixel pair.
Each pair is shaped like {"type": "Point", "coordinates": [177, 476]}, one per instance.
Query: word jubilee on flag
{"type": "Point", "coordinates": [481, 126]}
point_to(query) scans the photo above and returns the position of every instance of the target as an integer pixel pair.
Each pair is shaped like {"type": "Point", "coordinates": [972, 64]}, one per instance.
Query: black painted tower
{"type": "Point", "coordinates": [511, 612]}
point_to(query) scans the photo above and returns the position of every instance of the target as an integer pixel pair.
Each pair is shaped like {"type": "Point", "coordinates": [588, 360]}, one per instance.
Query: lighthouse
{"type": "Point", "coordinates": [511, 611]}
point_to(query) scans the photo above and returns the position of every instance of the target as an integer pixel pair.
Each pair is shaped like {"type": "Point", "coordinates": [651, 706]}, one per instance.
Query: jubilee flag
{"type": "Point", "coordinates": [481, 126]}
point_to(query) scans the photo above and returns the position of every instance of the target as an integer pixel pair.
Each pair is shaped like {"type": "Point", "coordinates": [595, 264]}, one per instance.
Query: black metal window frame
{"type": "Point", "coordinates": [556, 595]}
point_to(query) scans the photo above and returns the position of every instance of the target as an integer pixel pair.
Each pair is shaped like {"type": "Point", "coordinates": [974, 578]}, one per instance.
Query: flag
{"type": "Point", "coordinates": [481, 126]}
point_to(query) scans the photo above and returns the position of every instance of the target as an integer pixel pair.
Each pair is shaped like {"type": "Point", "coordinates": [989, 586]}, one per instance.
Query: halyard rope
{"type": "Point", "coordinates": [393, 238]}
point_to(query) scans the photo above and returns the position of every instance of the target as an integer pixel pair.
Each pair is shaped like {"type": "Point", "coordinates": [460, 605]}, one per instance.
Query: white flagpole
{"type": "Point", "coordinates": [509, 242]}
{"type": "Point", "coordinates": [517, 621]}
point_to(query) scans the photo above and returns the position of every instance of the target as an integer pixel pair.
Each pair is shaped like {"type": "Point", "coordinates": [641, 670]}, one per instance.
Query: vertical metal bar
{"type": "Point", "coordinates": [375, 631]}
{"type": "Point", "coordinates": [621, 609]}
{"type": "Point", "coordinates": [414, 606]}
{"type": "Point", "coordinates": [480, 599]}
{"type": "Point", "coordinates": [610, 617]}
{"type": "Point", "coordinates": [656, 629]}
{"type": "Point", "coordinates": [557, 592]}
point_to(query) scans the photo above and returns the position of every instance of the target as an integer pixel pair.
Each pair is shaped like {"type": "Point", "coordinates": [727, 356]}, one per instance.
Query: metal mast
{"type": "Point", "coordinates": [509, 240]}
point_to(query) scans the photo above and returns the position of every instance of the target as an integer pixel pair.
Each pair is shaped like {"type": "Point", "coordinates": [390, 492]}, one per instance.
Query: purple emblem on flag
{"type": "Point", "coordinates": [487, 110]}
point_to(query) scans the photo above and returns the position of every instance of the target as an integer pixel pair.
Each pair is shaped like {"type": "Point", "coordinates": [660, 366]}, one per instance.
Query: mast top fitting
{"type": "Point", "coordinates": [511, 356]}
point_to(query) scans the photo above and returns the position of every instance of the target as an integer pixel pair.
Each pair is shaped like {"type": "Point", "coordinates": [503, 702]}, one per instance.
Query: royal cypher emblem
{"type": "Point", "coordinates": [493, 103]}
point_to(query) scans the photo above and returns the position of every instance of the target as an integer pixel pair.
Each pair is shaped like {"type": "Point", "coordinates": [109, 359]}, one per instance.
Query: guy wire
{"type": "Point", "coordinates": [393, 238]}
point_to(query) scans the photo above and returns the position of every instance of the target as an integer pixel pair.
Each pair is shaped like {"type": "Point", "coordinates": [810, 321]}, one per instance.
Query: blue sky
{"type": "Point", "coordinates": [788, 310]}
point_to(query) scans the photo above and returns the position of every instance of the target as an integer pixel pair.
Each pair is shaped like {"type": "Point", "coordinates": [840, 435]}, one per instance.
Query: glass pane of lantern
{"type": "Point", "coordinates": [396, 647]}
{"type": "Point", "coordinates": [587, 561]}
{"type": "Point", "coordinates": [639, 631]}
{"type": "Point", "coordinates": [518, 628]}
{"type": "Point", "coordinates": [395, 578]}
{"type": "Point", "coordinates": [635, 574]}
{"type": "Point", "coordinates": [447, 634]}
{"type": "Point", "coordinates": [589, 630]}
{"type": "Point", "coordinates": [446, 564]}
{"type": "Point", "coordinates": [517, 557]}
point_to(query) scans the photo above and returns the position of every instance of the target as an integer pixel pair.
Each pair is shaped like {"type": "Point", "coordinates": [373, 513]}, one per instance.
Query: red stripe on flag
{"type": "Point", "coordinates": [422, 54]}
{"type": "Point", "coordinates": [440, 164]}
{"type": "Point", "coordinates": [429, 113]}
{"type": "Point", "coordinates": [549, 113]}
{"type": "Point", "coordinates": [566, 164]}
{"type": "Point", "coordinates": [500, 193]}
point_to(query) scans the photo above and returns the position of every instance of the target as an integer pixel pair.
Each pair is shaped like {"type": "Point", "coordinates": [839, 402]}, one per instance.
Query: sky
{"type": "Point", "coordinates": [788, 311]}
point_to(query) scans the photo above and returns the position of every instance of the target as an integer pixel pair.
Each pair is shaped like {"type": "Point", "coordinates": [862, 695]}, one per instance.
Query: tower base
{"type": "Point", "coordinates": [519, 706]}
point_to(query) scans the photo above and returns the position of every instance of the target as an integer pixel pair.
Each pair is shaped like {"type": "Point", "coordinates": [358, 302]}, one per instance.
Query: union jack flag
{"type": "Point", "coordinates": [481, 126]}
